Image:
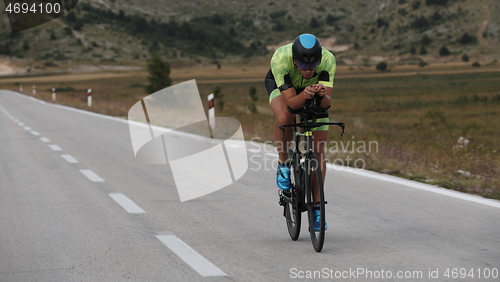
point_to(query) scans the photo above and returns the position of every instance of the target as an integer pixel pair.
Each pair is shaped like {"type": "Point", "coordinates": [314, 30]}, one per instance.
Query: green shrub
{"type": "Point", "coordinates": [436, 2]}
{"type": "Point", "coordinates": [444, 51]}
{"type": "Point", "coordinates": [382, 66]}
{"type": "Point", "coordinates": [467, 39]}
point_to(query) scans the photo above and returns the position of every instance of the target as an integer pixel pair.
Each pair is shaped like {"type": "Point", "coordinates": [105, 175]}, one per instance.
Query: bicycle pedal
{"type": "Point", "coordinates": [281, 202]}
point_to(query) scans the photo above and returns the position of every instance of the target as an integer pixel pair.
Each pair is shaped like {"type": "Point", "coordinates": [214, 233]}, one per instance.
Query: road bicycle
{"type": "Point", "coordinates": [305, 170]}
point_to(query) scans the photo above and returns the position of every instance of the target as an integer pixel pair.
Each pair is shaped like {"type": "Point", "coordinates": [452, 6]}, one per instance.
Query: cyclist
{"type": "Point", "coordinates": [299, 71]}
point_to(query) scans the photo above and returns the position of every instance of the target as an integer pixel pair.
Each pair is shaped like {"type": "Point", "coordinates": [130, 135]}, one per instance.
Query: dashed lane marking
{"type": "Point", "coordinates": [200, 264]}
{"type": "Point", "coordinates": [92, 176]}
{"type": "Point", "coordinates": [55, 147]}
{"type": "Point", "coordinates": [69, 159]}
{"type": "Point", "coordinates": [126, 203]}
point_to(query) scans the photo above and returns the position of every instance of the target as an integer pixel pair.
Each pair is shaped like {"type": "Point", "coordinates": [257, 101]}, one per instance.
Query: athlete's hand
{"type": "Point", "coordinates": [319, 89]}
{"type": "Point", "coordinates": [308, 92]}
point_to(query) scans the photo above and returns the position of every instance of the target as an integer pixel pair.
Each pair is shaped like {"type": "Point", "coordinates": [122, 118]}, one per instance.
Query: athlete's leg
{"type": "Point", "coordinates": [282, 117]}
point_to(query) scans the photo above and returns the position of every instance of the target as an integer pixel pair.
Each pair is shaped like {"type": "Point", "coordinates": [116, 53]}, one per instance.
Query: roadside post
{"type": "Point", "coordinates": [34, 89]}
{"type": "Point", "coordinates": [21, 88]}
{"type": "Point", "coordinates": [211, 111]}
{"type": "Point", "coordinates": [53, 94]}
{"type": "Point", "coordinates": [89, 97]}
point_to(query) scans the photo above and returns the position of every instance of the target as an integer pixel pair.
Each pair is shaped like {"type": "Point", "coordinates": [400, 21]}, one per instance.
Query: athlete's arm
{"type": "Point", "coordinates": [294, 101]}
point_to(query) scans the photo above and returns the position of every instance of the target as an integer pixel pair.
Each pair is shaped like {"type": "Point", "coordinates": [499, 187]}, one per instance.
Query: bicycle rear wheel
{"type": "Point", "coordinates": [313, 171]}
{"type": "Point", "coordinates": [293, 214]}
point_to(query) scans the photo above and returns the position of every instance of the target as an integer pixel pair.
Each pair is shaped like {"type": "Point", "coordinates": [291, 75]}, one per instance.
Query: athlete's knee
{"type": "Point", "coordinates": [283, 117]}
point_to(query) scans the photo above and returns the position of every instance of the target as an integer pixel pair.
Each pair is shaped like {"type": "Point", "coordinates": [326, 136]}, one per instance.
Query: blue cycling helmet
{"type": "Point", "coordinates": [307, 48]}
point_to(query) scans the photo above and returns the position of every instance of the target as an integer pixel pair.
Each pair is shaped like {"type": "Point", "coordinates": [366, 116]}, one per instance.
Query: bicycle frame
{"type": "Point", "coordinates": [307, 134]}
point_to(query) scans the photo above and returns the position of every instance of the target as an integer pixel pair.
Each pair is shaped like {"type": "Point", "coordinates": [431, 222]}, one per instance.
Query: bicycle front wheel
{"type": "Point", "coordinates": [293, 214]}
{"type": "Point", "coordinates": [314, 176]}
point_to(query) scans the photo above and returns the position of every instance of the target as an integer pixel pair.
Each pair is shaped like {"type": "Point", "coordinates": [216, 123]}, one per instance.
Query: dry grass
{"type": "Point", "coordinates": [398, 122]}
{"type": "Point", "coordinates": [416, 122]}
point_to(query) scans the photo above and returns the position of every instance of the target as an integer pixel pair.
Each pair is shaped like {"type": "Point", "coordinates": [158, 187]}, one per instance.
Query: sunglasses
{"type": "Point", "coordinates": [306, 66]}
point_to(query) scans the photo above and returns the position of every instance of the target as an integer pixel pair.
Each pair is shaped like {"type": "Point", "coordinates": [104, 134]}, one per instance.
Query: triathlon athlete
{"type": "Point", "coordinates": [299, 71]}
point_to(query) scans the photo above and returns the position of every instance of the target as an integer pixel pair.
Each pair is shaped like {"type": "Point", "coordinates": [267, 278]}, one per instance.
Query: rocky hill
{"type": "Point", "coordinates": [357, 31]}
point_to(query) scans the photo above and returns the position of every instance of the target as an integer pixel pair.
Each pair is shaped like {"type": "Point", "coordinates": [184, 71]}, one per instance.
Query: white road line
{"type": "Point", "coordinates": [21, 124]}
{"type": "Point", "coordinates": [126, 203]}
{"type": "Point", "coordinates": [253, 150]}
{"type": "Point", "coordinates": [91, 175]}
{"type": "Point", "coordinates": [190, 256]}
{"type": "Point", "coordinates": [27, 128]}
{"type": "Point", "coordinates": [271, 154]}
{"type": "Point", "coordinates": [69, 159]}
{"type": "Point", "coordinates": [45, 139]}
{"type": "Point", "coordinates": [35, 133]}
{"type": "Point", "coordinates": [418, 185]}
{"type": "Point", "coordinates": [55, 147]}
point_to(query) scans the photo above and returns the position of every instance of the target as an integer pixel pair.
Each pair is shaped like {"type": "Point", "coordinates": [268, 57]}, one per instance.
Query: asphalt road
{"type": "Point", "coordinates": [75, 205]}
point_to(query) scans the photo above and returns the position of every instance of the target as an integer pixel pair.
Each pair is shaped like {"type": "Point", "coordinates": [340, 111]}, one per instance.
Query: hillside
{"type": "Point", "coordinates": [357, 31]}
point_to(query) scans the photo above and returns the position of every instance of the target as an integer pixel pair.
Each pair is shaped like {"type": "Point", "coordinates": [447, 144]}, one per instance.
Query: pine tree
{"type": "Point", "coordinates": [159, 74]}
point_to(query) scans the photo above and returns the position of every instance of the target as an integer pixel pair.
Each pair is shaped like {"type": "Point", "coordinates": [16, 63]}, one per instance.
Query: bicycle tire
{"type": "Point", "coordinates": [293, 214]}
{"type": "Point", "coordinates": [317, 237]}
